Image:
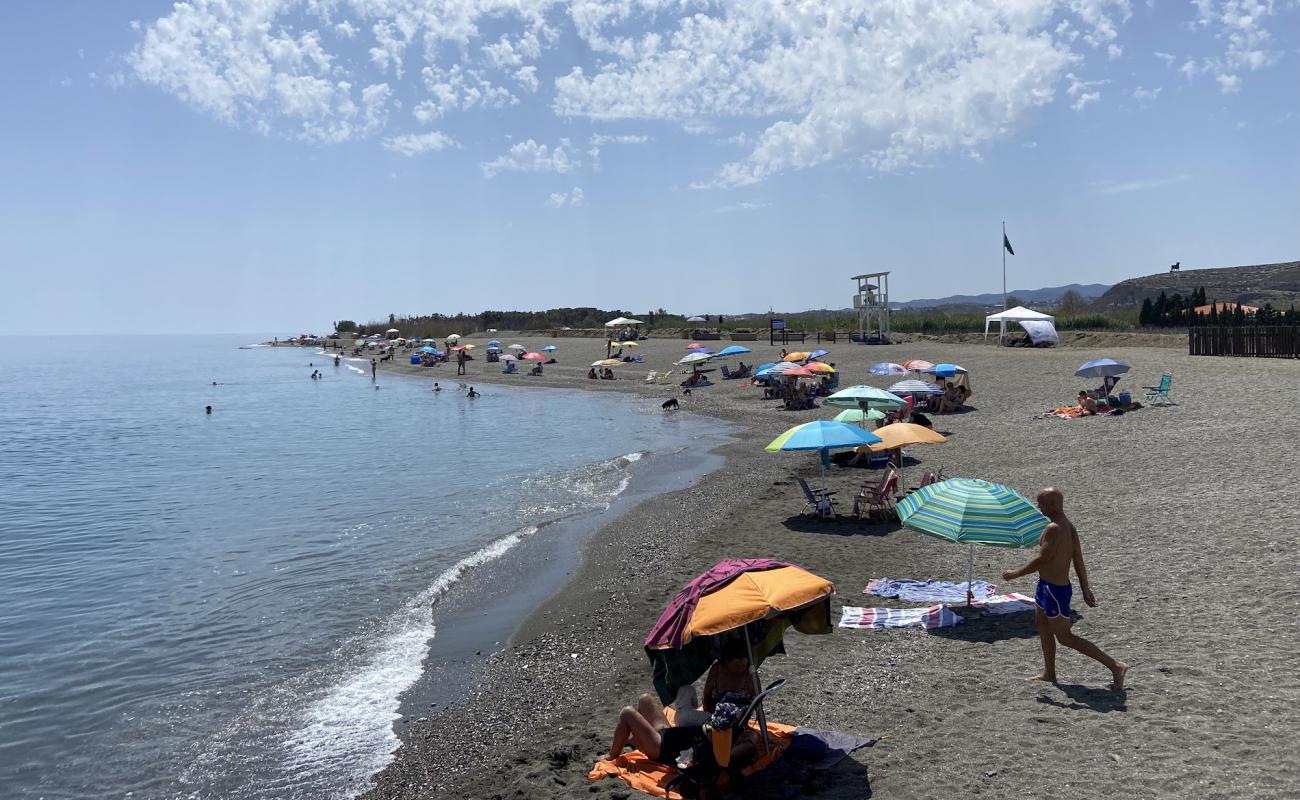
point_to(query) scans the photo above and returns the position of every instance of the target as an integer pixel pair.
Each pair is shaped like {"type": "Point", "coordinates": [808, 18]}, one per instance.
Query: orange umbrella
{"type": "Point", "coordinates": [818, 366]}
{"type": "Point", "coordinates": [796, 356]}
{"type": "Point", "coordinates": [753, 596]}
{"type": "Point", "coordinates": [904, 434]}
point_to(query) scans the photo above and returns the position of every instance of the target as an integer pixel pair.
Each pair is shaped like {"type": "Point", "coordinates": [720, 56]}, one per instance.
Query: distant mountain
{"type": "Point", "coordinates": [1256, 285]}
{"type": "Point", "coordinates": [1089, 291]}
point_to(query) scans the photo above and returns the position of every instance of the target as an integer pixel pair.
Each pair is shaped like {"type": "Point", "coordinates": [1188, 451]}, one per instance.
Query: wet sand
{"type": "Point", "coordinates": [1187, 513]}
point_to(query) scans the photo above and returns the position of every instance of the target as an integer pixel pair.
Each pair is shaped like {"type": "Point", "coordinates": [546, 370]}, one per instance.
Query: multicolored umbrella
{"type": "Point", "coordinates": [968, 511]}
{"type": "Point", "coordinates": [821, 435]}
{"type": "Point", "coordinates": [798, 372]}
{"type": "Point", "coordinates": [819, 367]}
{"type": "Point", "coordinates": [915, 387]}
{"type": "Point", "coordinates": [918, 364]}
{"type": "Point", "coordinates": [887, 368]}
{"type": "Point", "coordinates": [754, 598]}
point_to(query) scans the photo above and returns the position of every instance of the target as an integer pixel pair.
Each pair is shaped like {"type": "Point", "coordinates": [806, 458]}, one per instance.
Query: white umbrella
{"type": "Point", "coordinates": [614, 323]}
{"type": "Point", "coordinates": [696, 319]}
{"type": "Point", "coordinates": [517, 347]}
{"type": "Point", "coordinates": [695, 358]}
{"type": "Point", "coordinates": [455, 337]}
{"type": "Point", "coordinates": [392, 330]}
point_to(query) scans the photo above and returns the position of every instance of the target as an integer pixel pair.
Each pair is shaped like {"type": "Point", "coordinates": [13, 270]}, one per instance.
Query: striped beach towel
{"type": "Point", "coordinates": [936, 616]}
{"type": "Point", "coordinates": [1006, 603]}
{"type": "Point", "coordinates": [928, 591]}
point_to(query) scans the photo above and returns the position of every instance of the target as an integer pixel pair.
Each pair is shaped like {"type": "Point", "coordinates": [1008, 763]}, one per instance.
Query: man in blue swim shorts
{"type": "Point", "coordinates": [1058, 549]}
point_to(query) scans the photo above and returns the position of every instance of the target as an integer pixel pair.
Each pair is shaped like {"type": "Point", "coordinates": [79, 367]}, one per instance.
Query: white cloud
{"type": "Point", "coordinates": [891, 83]}
{"type": "Point", "coordinates": [529, 156]}
{"type": "Point", "coordinates": [746, 205]}
{"type": "Point", "coordinates": [573, 199]}
{"type": "Point", "coordinates": [1083, 92]}
{"type": "Point", "coordinates": [1228, 84]}
{"type": "Point", "coordinates": [1140, 186]}
{"type": "Point", "coordinates": [413, 144]}
{"type": "Point", "coordinates": [1143, 95]}
{"type": "Point", "coordinates": [1168, 58]}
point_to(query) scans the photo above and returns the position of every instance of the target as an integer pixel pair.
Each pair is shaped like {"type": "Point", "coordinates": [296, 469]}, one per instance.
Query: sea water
{"type": "Point", "coordinates": [234, 604]}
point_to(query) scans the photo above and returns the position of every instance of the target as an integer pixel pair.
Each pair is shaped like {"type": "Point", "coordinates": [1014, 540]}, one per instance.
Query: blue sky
{"type": "Point", "coordinates": [240, 165]}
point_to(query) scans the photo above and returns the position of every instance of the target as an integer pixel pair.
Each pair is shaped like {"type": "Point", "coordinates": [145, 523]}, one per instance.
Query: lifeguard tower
{"type": "Point", "coordinates": [871, 302]}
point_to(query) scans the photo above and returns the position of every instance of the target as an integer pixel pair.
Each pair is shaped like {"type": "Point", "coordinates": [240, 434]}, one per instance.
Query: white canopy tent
{"type": "Point", "coordinates": [1041, 327]}
{"type": "Point", "coordinates": [616, 322]}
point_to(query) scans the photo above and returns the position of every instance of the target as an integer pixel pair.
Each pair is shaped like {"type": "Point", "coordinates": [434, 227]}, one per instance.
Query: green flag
{"type": "Point", "coordinates": [1007, 244]}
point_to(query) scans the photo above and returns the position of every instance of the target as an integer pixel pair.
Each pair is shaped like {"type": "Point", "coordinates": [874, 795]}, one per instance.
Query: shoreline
{"type": "Point", "coordinates": [545, 704]}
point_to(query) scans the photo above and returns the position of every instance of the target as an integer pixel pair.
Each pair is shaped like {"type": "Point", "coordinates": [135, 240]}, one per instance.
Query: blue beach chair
{"type": "Point", "coordinates": [1160, 392]}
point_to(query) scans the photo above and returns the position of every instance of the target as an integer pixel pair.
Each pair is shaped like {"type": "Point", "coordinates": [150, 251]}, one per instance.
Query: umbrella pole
{"type": "Point", "coordinates": [970, 576]}
{"type": "Point", "coordinates": [753, 676]}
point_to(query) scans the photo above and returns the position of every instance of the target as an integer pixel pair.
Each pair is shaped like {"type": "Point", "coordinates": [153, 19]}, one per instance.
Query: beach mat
{"type": "Point", "coordinates": [645, 775]}
{"type": "Point", "coordinates": [1011, 603]}
{"type": "Point", "coordinates": [914, 591]}
{"type": "Point", "coordinates": [936, 616]}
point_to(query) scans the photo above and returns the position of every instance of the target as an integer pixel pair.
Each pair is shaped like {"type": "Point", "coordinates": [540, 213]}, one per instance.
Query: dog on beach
{"type": "Point", "coordinates": [671, 404]}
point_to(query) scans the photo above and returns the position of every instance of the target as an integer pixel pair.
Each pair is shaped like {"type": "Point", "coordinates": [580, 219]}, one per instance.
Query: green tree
{"type": "Point", "coordinates": [1071, 303]}
{"type": "Point", "coordinates": [345, 326]}
{"type": "Point", "coordinates": [1147, 315]}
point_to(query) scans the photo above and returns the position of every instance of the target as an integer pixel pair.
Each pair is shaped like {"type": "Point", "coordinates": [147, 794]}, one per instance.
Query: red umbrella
{"type": "Point", "coordinates": [533, 357]}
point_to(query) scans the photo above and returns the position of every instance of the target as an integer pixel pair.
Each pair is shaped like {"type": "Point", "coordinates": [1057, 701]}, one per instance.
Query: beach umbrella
{"type": "Point", "coordinates": [508, 357]}
{"type": "Point", "coordinates": [428, 350]}
{"type": "Point", "coordinates": [696, 319]}
{"type": "Point", "coordinates": [550, 348]}
{"type": "Point", "coordinates": [904, 434]}
{"type": "Point", "coordinates": [948, 370]}
{"type": "Point", "coordinates": [629, 344]}
{"type": "Point", "coordinates": [617, 321]}
{"type": "Point", "coordinates": [533, 357]}
{"type": "Point", "coordinates": [392, 330]}
{"type": "Point", "coordinates": [758, 599]}
{"type": "Point", "coordinates": [694, 358]}
{"type": "Point", "coordinates": [608, 362]}
{"type": "Point", "coordinates": [918, 364]}
{"type": "Point", "coordinates": [818, 354]}
{"type": "Point", "coordinates": [887, 368]}
{"type": "Point", "coordinates": [455, 337]}
{"type": "Point", "coordinates": [518, 347]}
{"type": "Point", "coordinates": [822, 436]}
{"type": "Point", "coordinates": [1101, 368]}
{"type": "Point", "coordinates": [799, 372]}
{"type": "Point", "coordinates": [467, 347]}
{"type": "Point", "coordinates": [798, 355]}
{"type": "Point", "coordinates": [865, 397]}
{"type": "Point", "coordinates": [435, 341]}
{"type": "Point", "coordinates": [915, 387]}
{"type": "Point", "coordinates": [773, 370]}
{"type": "Point", "coordinates": [967, 511]}
{"type": "Point", "coordinates": [733, 350]}
{"type": "Point", "coordinates": [494, 342]}
{"type": "Point", "coordinates": [819, 367]}
{"type": "Point", "coordinates": [696, 346]}
{"type": "Point", "coordinates": [852, 415]}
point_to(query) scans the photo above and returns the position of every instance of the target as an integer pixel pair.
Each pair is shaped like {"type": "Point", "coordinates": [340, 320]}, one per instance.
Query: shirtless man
{"type": "Point", "coordinates": [1057, 550]}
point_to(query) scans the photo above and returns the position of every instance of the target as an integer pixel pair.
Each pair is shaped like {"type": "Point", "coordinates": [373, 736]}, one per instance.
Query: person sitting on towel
{"type": "Point", "coordinates": [1086, 403]}
{"type": "Point", "coordinates": [647, 729]}
{"type": "Point", "coordinates": [591, 374]}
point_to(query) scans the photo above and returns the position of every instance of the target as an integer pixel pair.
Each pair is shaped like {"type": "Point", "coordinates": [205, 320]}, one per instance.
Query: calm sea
{"type": "Point", "coordinates": [234, 605]}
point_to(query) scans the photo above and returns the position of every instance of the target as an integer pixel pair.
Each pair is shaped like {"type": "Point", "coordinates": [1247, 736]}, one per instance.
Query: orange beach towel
{"type": "Point", "coordinates": [645, 775]}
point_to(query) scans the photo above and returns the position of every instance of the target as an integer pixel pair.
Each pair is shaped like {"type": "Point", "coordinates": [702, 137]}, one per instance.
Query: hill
{"type": "Point", "coordinates": [1046, 296]}
{"type": "Point", "coordinates": [1278, 284]}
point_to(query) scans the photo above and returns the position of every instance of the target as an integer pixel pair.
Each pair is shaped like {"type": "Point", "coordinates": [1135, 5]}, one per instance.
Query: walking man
{"type": "Point", "coordinates": [1057, 550]}
{"type": "Point", "coordinates": [460, 362]}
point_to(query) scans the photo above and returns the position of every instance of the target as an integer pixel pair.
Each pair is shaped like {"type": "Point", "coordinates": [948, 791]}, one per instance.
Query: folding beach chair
{"type": "Point", "coordinates": [1160, 392]}
{"type": "Point", "coordinates": [711, 757]}
{"type": "Point", "coordinates": [817, 501]}
{"type": "Point", "coordinates": [880, 501]}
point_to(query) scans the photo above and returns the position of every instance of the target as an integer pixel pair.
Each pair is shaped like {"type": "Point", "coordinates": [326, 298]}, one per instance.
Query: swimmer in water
{"type": "Point", "coordinates": [472, 393]}
{"type": "Point", "coordinates": [436, 387]}
{"type": "Point", "coordinates": [208, 409]}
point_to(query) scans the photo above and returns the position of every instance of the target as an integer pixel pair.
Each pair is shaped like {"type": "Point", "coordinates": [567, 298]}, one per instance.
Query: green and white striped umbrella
{"type": "Point", "coordinates": [970, 511]}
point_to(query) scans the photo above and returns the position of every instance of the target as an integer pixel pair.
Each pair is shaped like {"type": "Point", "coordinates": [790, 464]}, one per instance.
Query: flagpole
{"type": "Point", "coordinates": [1004, 265]}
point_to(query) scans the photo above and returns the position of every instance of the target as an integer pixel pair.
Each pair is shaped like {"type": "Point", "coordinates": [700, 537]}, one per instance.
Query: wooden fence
{"type": "Point", "coordinates": [1249, 341]}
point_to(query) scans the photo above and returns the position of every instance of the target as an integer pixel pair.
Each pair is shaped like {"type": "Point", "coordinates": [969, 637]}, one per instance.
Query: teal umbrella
{"type": "Point", "coordinates": [968, 511]}
{"type": "Point", "coordinates": [822, 436]}
{"type": "Point", "coordinates": [857, 415]}
{"type": "Point", "coordinates": [865, 397]}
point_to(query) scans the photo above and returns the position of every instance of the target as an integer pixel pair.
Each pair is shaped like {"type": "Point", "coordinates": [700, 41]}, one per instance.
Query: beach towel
{"type": "Point", "coordinates": [644, 775]}
{"type": "Point", "coordinates": [928, 591]}
{"type": "Point", "coordinates": [936, 616]}
{"type": "Point", "coordinates": [1006, 603]}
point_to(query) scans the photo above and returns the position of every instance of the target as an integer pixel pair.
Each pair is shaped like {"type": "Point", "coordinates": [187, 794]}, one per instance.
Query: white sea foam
{"type": "Point", "coordinates": [357, 370]}
{"type": "Point", "coordinates": [351, 727]}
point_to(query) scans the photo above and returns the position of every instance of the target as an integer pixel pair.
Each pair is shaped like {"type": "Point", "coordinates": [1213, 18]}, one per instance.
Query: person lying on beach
{"type": "Point", "coordinates": [647, 728]}
{"type": "Point", "coordinates": [1058, 549]}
